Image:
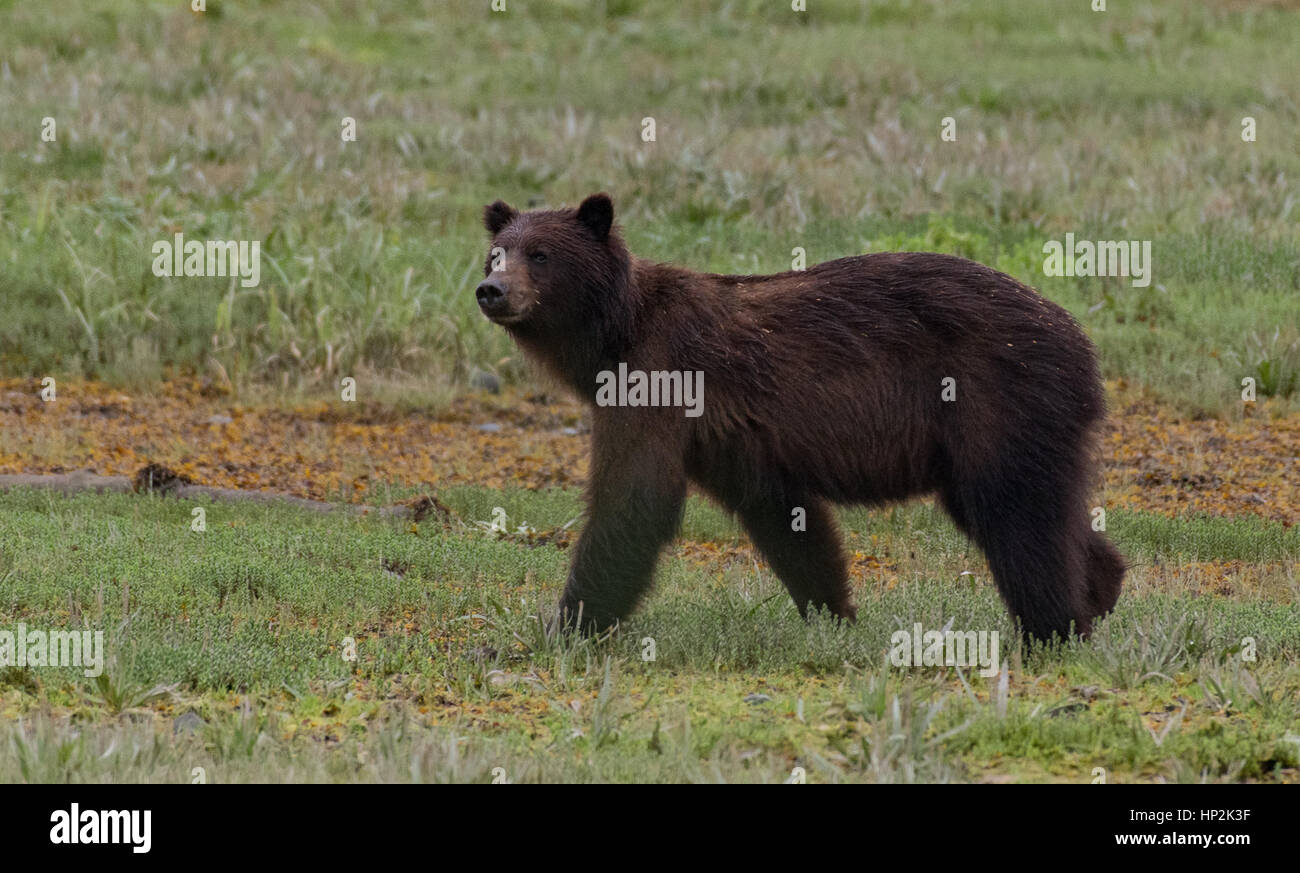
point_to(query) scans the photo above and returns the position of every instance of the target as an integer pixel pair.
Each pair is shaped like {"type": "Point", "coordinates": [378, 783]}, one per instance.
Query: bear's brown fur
{"type": "Point", "coordinates": [821, 386]}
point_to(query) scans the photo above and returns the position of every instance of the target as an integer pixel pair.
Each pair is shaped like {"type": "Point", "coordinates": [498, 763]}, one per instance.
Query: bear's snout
{"type": "Point", "coordinates": [491, 296]}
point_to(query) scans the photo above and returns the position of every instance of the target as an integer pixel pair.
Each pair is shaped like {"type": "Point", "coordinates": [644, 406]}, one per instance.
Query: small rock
{"type": "Point", "coordinates": [490, 427]}
{"type": "Point", "coordinates": [481, 653]}
{"type": "Point", "coordinates": [187, 723]}
{"type": "Point", "coordinates": [220, 419]}
{"type": "Point", "coordinates": [425, 505]}
{"type": "Point", "coordinates": [484, 381]}
{"type": "Point", "coordinates": [570, 431]}
{"type": "Point", "coordinates": [156, 477]}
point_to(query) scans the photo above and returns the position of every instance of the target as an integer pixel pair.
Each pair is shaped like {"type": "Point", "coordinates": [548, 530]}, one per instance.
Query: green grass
{"type": "Point", "coordinates": [774, 130]}
{"type": "Point", "coordinates": [245, 623]}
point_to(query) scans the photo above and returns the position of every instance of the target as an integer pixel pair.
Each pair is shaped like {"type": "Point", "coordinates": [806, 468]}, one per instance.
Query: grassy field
{"type": "Point", "coordinates": [244, 625]}
{"type": "Point", "coordinates": [773, 130]}
{"type": "Point", "coordinates": [228, 649]}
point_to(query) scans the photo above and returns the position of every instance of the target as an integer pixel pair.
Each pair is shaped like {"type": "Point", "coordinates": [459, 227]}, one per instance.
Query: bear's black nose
{"type": "Point", "coordinates": [491, 296]}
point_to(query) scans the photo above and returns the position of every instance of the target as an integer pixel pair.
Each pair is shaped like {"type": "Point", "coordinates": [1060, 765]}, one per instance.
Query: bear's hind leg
{"type": "Point", "coordinates": [1105, 575]}
{"type": "Point", "coordinates": [1035, 547]}
{"type": "Point", "coordinates": [805, 554]}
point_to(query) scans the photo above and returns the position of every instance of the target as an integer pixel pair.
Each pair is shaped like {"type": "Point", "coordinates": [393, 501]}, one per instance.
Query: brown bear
{"type": "Point", "coordinates": [862, 380]}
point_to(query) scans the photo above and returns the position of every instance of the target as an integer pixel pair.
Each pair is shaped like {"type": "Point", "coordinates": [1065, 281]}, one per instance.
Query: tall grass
{"type": "Point", "coordinates": [774, 129]}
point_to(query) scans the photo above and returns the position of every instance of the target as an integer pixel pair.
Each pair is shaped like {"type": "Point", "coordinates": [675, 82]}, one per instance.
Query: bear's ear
{"type": "Point", "coordinates": [497, 215]}
{"type": "Point", "coordinates": [597, 214]}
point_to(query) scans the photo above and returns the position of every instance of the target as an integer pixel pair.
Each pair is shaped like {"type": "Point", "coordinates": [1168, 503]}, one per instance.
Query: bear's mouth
{"type": "Point", "coordinates": [506, 318]}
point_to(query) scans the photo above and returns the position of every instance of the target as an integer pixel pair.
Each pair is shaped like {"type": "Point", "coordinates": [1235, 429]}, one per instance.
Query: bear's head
{"type": "Point", "coordinates": [551, 273]}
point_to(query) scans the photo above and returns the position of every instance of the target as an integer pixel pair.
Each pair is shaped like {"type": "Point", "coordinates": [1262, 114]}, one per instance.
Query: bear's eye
{"type": "Point", "coordinates": [538, 257]}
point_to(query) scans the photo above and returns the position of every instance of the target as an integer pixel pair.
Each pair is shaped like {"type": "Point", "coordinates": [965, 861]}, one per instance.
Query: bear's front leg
{"type": "Point", "coordinates": [634, 507]}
